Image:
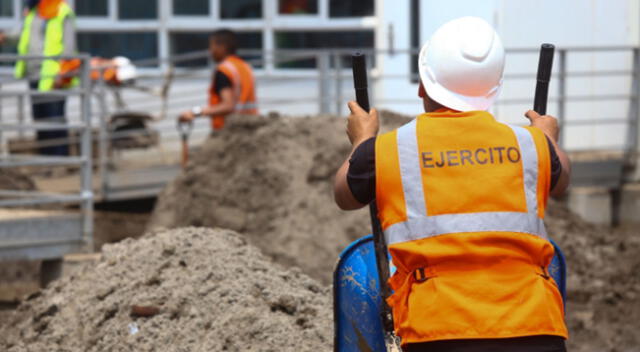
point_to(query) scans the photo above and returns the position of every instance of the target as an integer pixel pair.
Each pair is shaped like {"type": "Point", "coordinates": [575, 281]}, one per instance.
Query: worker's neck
{"type": "Point", "coordinates": [432, 106]}
{"type": "Point", "coordinates": [223, 57]}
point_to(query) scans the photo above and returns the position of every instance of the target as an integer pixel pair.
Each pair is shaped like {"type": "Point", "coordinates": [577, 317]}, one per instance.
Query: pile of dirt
{"type": "Point", "coordinates": [194, 290]}
{"type": "Point", "coordinates": [603, 288]}
{"type": "Point", "coordinates": [271, 179]}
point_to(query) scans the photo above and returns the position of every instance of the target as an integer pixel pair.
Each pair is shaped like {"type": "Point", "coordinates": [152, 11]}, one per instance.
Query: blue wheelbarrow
{"type": "Point", "coordinates": [357, 301]}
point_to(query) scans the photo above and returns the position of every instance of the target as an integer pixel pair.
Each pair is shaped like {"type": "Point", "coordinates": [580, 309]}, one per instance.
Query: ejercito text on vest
{"type": "Point", "coordinates": [479, 156]}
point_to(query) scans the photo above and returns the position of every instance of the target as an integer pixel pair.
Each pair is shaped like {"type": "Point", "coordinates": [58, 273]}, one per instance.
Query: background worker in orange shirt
{"type": "Point", "coordinates": [232, 88]}
{"type": "Point", "coordinates": [461, 199]}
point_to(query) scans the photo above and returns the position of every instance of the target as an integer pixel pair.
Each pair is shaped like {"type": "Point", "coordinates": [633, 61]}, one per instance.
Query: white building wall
{"type": "Point", "coordinates": [527, 24]}
{"type": "Point", "coordinates": [576, 23]}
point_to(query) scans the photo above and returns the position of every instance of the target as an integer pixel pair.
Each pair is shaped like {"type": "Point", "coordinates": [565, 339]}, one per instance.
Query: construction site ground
{"type": "Point", "coordinates": [198, 281]}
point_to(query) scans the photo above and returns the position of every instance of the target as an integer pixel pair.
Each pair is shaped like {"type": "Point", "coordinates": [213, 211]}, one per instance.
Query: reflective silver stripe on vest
{"type": "Point", "coordinates": [430, 226]}
{"type": "Point", "coordinates": [237, 82]}
{"type": "Point", "coordinates": [410, 170]}
{"type": "Point", "coordinates": [236, 78]}
{"type": "Point", "coordinates": [419, 225]}
{"type": "Point", "coordinates": [529, 157]}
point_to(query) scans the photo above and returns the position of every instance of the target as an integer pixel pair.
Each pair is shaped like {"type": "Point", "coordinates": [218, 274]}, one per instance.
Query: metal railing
{"type": "Point", "coordinates": [84, 196]}
{"type": "Point", "coordinates": [332, 76]}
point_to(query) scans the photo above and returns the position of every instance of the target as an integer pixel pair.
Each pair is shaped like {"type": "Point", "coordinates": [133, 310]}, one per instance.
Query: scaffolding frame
{"type": "Point", "coordinates": [17, 240]}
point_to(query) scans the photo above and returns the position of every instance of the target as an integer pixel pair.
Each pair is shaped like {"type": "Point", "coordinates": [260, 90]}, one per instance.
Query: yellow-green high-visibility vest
{"type": "Point", "coordinates": [53, 46]}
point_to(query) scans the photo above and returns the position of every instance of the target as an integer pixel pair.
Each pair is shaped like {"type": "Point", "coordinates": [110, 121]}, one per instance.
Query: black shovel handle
{"type": "Point", "coordinates": [184, 128]}
{"type": "Point", "coordinates": [382, 260]}
{"type": "Point", "coordinates": [545, 65]}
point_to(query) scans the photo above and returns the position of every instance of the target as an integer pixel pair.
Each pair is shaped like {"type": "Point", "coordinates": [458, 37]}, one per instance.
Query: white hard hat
{"type": "Point", "coordinates": [461, 66]}
{"type": "Point", "coordinates": [125, 71]}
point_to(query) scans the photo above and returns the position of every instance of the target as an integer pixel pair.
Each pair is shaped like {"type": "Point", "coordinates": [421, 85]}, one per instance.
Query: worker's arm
{"type": "Point", "coordinates": [549, 125]}
{"type": "Point", "coordinates": [226, 106]}
{"type": "Point", "coordinates": [361, 126]}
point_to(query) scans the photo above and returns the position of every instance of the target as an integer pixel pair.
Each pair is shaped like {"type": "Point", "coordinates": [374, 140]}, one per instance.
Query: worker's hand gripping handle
{"type": "Point", "coordinates": [382, 259]}
{"type": "Point", "coordinates": [545, 65]}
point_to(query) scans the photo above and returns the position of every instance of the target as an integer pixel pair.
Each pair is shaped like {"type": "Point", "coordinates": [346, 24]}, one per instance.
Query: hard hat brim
{"type": "Point", "coordinates": [457, 101]}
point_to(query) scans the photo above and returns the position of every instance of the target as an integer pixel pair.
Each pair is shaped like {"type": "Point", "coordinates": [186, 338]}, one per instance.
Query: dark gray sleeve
{"type": "Point", "coordinates": [556, 165]}
{"type": "Point", "coordinates": [361, 176]}
{"type": "Point", "coordinates": [69, 36]}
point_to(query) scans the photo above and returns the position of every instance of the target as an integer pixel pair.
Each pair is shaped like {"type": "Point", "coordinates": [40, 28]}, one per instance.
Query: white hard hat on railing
{"type": "Point", "coordinates": [125, 70]}
{"type": "Point", "coordinates": [461, 66]}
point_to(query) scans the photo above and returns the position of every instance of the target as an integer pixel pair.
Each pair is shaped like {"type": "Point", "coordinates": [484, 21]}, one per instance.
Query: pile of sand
{"type": "Point", "coordinates": [202, 289]}
{"type": "Point", "coordinates": [271, 179]}
{"type": "Point", "coordinates": [603, 306]}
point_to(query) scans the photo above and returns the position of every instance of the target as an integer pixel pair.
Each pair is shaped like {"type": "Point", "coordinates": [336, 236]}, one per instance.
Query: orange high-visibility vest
{"type": "Point", "coordinates": [461, 200]}
{"type": "Point", "coordinates": [240, 74]}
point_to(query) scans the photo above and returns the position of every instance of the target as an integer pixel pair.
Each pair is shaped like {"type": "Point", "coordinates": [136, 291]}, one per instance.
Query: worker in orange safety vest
{"type": "Point", "coordinates": [461, 199]}
{"type": "Point", "coordinates": [232, 88]}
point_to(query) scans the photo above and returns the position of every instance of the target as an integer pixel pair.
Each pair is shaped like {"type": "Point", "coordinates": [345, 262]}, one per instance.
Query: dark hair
{"type": "Point", "coordinates": [227, 38]}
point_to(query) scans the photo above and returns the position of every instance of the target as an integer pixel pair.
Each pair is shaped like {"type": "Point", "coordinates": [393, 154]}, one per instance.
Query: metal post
{"type": "Point", "coordinates": [562, 94]}
{"type": "Point", "coordinates": [2, 149]}
{"type": "Point", "coordinates": [634, 123]}
{"type": "Point", "coordinates": [103, 137]}
{"type": "Point", "coordinates": [323, 86]}
{"type": "Point", "coordinates": [21, 115]}
{"type": "Point", "coordinates": [338, 62]}
{"type": "Point", "coordinates": [85, 149]}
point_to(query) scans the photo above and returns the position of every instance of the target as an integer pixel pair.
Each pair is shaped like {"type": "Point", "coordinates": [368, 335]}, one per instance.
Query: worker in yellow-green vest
{"type": "Point", "coordinates": [48, 30]}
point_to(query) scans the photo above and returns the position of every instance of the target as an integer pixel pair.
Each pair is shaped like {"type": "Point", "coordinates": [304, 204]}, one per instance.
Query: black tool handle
{"type": "Point", "coordinates": [382, 260]}
{"type": "Point", "coordinates": [185, 128]}
{"type": "Point", "coordinates": [360, 81]}
{"type": "Point", "coordinates": [545, 65]}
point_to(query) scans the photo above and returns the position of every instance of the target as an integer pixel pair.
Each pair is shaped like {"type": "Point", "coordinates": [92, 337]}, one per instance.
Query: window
{"type": "Point", "coordinates": [7, 49]}
{"type": "Point", "coordinates": [6, 8]}
{"type": "Point", "coordinates": [133, 45]}
{"type": "Point", "coordinates": [187, 42]}
{"type": "Point", "coordinates": [191, 7]}
{"type": "Point", "coordinates": [95, 8]}
{"type": "Point", "coordinates": [239, 9]}
{"type": "Point", "coordinates": [318, 40]}
{"type": "Point", "coordinates": [298, 7]}
{"type": "Point", "coordinates": [350, 8]}
{"type": "Point", "coordinates": [183, 43]}
{"type": "Point", "coordinates": [137, 9]}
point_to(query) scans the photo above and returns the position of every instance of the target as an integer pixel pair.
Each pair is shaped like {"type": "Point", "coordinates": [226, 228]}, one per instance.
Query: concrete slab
{"type": "Point", "coordinates": [630, 204]}
{"type": "Point", "coordinates": [35, 235]}
{"type": "Point", "coordinates": [593, 204]}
